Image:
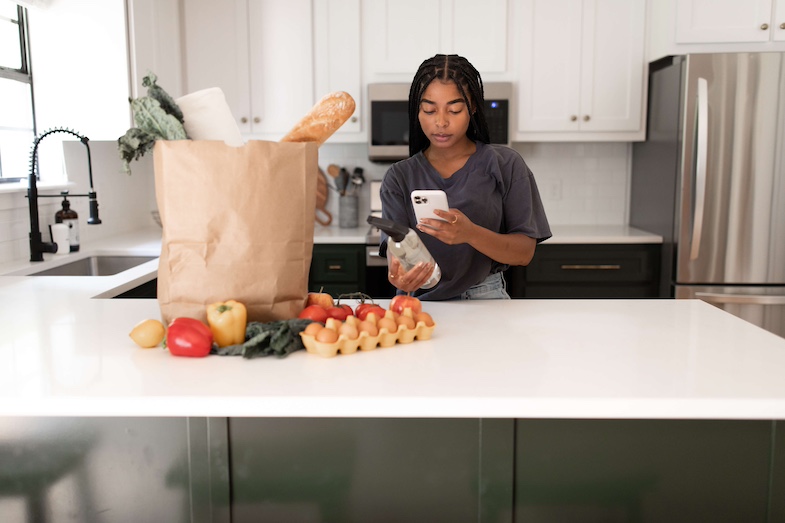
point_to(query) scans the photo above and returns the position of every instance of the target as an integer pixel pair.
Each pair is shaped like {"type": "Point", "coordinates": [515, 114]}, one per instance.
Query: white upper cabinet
{"type": "Point", "coordinates": [337, 57]}
{"type": "Point", "coordinates": [399, 34]}
{"type": "Point", "coordinates": [778, 21]}
{"type": "Point", "coordinates": [723, 21]}
{"type": "Point", "coordinates": [259, 52]}
{"type": "Point", "coordinates": [715, 26]}
{"type": "Point", "coordinates": [581, 69]}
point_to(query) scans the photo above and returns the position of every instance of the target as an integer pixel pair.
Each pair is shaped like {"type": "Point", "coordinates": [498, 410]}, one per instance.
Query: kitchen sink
{"type": "Point", "coordinates": [98, 265]}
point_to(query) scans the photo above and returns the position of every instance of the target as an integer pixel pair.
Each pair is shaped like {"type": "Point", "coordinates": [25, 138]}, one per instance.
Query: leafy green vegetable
{"type": "Point", "coordinates": [277, 338]}
{"type": "Point", "coordinates": [150, 117]}
{"type": "Point", "coordinates": [157, 117]}
{"type": "Point", "coordinates": [167, 102]}
{"type": "Point", "coordinates": [132, 146]}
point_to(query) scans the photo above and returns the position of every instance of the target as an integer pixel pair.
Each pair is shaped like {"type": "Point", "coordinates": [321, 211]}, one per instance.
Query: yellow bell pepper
{"type": "Point", "coordinates": [227, 321]}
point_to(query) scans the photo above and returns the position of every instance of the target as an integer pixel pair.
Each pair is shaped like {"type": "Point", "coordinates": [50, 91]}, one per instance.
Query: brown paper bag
{"type": "Point", "coordinates": [237, 224]}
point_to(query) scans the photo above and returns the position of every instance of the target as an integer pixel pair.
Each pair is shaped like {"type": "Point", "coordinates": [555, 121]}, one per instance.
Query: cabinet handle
{"type": "Point", "coordinates": [335, 267]}
{"type": "Point", "coordinates": [764, 27]}
{"type": "Point", "coordinates": [243, 120]}
{"type": "Point", "coordinates": [354, 119]}
{"type": "Point", "coordinates": [586, 118]}
{"type": "Point", "coordinates": [256, 119]}
{"type": "Point", "coordinates": [782, 25]}
{"type": "Point", "coordinates": [598, 267]}
{"type": "Point", "coordinates": [573, 118]}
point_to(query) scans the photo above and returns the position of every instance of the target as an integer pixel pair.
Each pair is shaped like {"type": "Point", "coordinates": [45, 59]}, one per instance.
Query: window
{"type": "Point", "coordinates": [17, 122]}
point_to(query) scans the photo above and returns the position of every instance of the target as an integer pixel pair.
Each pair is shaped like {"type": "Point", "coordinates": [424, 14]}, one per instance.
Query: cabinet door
{"type": "Point", "coordinates": [723, 21]}
{"type": "Point", "coordinates": [403, 34]}
{"type": "Point", "coordinates": [281, 64]}
{"type": "Point", "coordinates": [406, 32]}
{"type": "Point", "coordinates": [550, 69]}
{"type": "Point", "coordinates": [154, 40]}
{"type": "Point", "coordinates": [479, 35]}
{"type": "Point", "coordinates": [778, 22]}
{"type": "Point", "coordinates": [613, 66]}
{"type": "Point", "coordinates": [337, 54]}
{"type": "Point", "coordinates": [215, 52]}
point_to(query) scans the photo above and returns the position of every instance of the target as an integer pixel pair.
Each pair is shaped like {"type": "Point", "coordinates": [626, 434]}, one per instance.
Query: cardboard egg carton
{"type": "Point", "coordinates": [365, 341]}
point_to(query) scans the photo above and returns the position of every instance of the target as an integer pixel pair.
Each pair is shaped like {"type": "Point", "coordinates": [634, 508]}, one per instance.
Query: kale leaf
{"type": "Point", "coordinates": [277, 338]}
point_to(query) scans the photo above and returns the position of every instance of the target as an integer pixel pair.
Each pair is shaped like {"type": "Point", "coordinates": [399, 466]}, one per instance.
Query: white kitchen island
{"type": "Point", "coordinates": [521, 410]}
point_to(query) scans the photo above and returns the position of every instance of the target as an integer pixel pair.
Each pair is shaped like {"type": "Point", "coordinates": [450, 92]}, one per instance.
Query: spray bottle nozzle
{"type": "Point", "coordinates": [396, 231]}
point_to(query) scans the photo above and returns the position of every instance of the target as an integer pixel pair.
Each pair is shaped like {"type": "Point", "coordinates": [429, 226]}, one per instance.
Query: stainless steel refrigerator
{"type": "Point", "coordinates": [710, 178]}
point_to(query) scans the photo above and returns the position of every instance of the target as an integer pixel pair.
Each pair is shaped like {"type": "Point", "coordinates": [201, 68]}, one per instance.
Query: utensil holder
{"type": "Point", "coordinates": [348, 211]}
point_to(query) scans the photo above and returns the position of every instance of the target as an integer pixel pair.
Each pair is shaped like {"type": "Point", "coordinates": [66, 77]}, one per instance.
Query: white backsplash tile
{"type": "Point", "coordinates": [580, 183]}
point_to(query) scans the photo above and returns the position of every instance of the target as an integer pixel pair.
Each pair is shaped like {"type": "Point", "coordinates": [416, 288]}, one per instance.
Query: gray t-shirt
{"type": "Point", "coordinates": [494, 189]}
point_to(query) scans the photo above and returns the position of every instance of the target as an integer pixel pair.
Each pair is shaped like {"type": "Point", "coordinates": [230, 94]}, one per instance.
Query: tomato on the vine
{"type": "Point", "coordinates": [315, 313]}
{"type": "Point", "coordinates": [373, 309]}
{"type": "Point", "coordinates": [361, 307]}
{"type": "Point", "coordinates": [339, 313]}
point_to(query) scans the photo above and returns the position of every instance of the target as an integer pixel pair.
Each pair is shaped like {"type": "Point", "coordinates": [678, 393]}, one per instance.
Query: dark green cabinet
{"type": "Point", "coordinates": [588, 271]}
{"type": "Point", "coordinates": [337, 269]}
{"type": "Point", "coordinates": [643, 470]}
{"type": "Point", "coordinates": [222, 470]}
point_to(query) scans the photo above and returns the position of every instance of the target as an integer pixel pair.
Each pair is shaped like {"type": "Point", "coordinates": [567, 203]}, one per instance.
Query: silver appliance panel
{"type": "Point", "coordinates": [762, 306]}
{"type": "Point", "coordinates": [731, 210]}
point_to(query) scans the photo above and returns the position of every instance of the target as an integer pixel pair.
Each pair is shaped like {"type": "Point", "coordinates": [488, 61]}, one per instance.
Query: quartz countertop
{"type": "Point", "coordinates": [66, 352]}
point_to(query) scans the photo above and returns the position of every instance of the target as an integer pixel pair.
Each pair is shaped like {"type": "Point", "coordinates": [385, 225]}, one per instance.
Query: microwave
{"type": "Point", "coordinates": [388, 138]}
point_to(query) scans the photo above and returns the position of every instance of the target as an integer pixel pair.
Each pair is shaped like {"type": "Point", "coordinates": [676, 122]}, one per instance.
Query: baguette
{"type": "Point", "coordinates": [323, 119]}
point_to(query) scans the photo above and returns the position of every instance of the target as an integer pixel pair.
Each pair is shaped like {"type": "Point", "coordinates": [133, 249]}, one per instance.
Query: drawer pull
{"type": "Point", "coordinates": [335, 267]}
{"type": "Point", "coordinates": [599, 267]}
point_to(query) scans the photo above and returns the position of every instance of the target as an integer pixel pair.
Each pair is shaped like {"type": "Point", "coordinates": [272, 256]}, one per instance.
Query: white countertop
{"type": "Point", "coordinates": [67, 353]}
{"type": "Point", "coordinates": [562, 234]}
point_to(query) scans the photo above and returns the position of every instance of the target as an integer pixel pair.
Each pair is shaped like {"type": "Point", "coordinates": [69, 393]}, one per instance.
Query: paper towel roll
{"type": "Point", "coordinates": [208, 117]}
{"type": "Point", "coordinates": [60, 237]}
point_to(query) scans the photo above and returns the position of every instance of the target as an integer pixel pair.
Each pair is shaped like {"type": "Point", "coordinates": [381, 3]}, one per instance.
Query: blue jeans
{"type": "Point", "coordinates": [492, 288]}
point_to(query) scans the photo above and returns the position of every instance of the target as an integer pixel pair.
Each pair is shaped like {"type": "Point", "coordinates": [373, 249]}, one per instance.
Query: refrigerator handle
{"type": "Point", "coordinates": [701, 157]}
{"type": "Point", "coordinates": [741, 299]}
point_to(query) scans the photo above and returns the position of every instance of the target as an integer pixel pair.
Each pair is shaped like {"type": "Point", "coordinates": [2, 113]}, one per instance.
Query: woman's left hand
{"type": "Point", "coordinates": [454, 228]}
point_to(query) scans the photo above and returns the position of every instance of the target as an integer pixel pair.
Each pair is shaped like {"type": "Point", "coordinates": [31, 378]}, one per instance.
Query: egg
{"type": "Point", "coordinates": [313, 328]}
{"type": "Point", "coordinates": [333, 323]}
{"type": "Point", "coordinates": [387, 323]}
{"type": "Point", "coordinates": [348, 330]}
{"type": "Point", "coordinates": [424, 317]}
{"type": "Point", "coordinates": [327, 336]}
{"type": "Point", "coordinates": [405, 321]}
{"type": "Point", "coordinates": [369, 327]}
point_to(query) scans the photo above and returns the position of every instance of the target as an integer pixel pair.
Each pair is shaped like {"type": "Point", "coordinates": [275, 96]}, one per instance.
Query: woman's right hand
{"type": "Point", "coordinates": [408, 281]}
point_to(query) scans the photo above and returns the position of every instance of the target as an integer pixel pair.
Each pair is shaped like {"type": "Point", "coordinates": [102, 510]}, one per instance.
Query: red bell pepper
{"type": "Point", "coordinates": [189, 337]}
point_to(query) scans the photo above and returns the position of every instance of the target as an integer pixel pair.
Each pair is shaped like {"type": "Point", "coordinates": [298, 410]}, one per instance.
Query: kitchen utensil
{"type": "Point", "coordinates": [358, 178]}
{"type": "Point", "coordinates": [342, 182]}
{"type": "Point", "coordinates": [323, 216]}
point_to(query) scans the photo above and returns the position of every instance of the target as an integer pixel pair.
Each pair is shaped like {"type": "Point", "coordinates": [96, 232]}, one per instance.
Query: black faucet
{"type": "Point", "coordinates": [37, 246]}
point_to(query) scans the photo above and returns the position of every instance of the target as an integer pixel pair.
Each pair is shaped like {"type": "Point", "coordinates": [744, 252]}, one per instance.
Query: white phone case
{"type": "Point", "coordinates": [425, 201]}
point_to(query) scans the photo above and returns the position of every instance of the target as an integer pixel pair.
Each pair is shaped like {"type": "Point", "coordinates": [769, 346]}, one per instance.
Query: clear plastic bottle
{"type": "Point", "coordinates": [70, 218]}
{"type": "Point", "coordinates": [406, 246]}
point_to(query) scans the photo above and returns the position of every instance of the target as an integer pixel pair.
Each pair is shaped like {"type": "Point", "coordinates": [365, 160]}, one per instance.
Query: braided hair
{"type": "Point", "coordinates": [458, 70]}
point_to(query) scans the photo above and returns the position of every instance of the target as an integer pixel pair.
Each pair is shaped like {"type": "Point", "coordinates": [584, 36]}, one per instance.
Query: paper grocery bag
{"type": "Point", "coordinates": [237, 224]}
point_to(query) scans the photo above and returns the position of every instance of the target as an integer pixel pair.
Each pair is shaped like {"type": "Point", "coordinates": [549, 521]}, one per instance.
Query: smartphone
{"type": "Point", "coordinates": [425, 201]}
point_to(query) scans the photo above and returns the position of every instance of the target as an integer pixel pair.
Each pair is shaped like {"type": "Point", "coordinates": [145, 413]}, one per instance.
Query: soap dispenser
{"type": "Point", "coordinates": [70, 218]}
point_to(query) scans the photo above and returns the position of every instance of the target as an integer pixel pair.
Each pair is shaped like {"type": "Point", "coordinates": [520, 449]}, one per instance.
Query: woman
{"type": "Point", "coordinates": [495, 218]}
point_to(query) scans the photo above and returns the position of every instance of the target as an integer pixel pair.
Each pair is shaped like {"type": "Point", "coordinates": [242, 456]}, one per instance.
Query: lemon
{"type": "Point", "coordinates": [148, 333]}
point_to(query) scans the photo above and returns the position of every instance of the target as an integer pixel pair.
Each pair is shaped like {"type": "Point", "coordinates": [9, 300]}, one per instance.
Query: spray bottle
{"type": "Point", "coordinates": [406, 246]}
